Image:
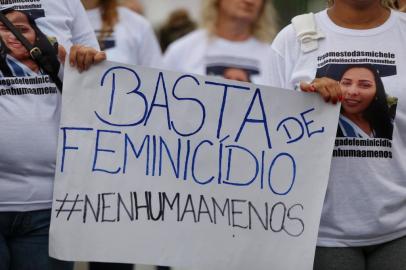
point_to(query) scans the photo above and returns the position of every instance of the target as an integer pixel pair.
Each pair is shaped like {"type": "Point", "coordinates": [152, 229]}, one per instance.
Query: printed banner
{"type": "Point", "coordinates": [164, 168]}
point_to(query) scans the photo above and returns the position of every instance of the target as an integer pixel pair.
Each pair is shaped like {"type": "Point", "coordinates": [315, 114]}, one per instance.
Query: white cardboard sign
{"type": "Point", "coordinates": [165, 168]}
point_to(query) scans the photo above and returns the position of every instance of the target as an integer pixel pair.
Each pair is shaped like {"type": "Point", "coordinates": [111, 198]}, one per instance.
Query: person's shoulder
{"type": "Point", "coordinates": [289, 32]}
{"type": "Point", "coordinates": [93, 14]}
{"type": "Point", "coordinates": [193, 38]}
{"type": "Point", "coordinates": [182, 47]}
{"type": "Point", "coordinates": [287, 36]}
{"type": "Point", "coordinates": [70, 5]}
{"type": "Point", "coordinates": [401, 16]}
{"type": "Point", "coordinates": [126, 15]}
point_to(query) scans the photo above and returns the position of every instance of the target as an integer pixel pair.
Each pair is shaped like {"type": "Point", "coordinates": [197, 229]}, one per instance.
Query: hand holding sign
{"type": "Point", "coordinates": [215, 171]}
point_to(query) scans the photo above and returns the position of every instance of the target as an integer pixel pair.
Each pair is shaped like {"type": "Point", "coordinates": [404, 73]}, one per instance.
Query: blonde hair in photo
{"type": "Point", "coordinates": [264, 29]}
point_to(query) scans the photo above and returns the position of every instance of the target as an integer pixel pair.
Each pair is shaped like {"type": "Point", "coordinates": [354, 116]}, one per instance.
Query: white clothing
{"type": "Point", "coordinates": [365, 202]}
{"type": "Point", "coordinates": [202, 54]}
{"type": "Point", "coordinates": [30, 111]}
{"type": "Point", "coordinates": [132, 41]}
{"type": "Point", "coordinates": [350, 129]}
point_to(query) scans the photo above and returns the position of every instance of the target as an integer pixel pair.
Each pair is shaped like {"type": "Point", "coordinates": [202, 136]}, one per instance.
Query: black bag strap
{"type": "Point", "coordinates": [35, 52]}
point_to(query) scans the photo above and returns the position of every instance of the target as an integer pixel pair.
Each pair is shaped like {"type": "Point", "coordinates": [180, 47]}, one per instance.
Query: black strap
{"type": "Point", "coordinates": [35, 52]}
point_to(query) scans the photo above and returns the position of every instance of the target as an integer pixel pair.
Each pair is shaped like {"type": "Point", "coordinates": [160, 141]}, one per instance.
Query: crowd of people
{"type": "Point", "coordinates": [351, 53]}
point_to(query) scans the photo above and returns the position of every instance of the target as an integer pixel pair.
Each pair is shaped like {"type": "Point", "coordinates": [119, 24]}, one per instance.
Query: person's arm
{"type": "Point", "coordinates": [285, 52]}
{"type": "Point", "coordinates": [282, 52]}
{"type": "Point", "coordinates": [150, 52]}
{"type": "Point", "coordinates": [145, 44]}
{"type": "Point", "coordinates": [82, 31]}
{"type": "Point", "coordinates": [85, 50]}
{"type": "Point", "coordinates": [278, 76]}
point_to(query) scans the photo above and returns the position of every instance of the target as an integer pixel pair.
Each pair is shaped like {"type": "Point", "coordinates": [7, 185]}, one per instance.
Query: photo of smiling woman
{"type": "Point", "coordinates": [364, 108]}
{"type": "Point", "coordinates": [14, 57]}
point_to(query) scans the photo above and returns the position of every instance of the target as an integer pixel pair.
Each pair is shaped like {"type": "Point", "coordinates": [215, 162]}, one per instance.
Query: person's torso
{"type": "Point", "coordinates": [366, 197]}
{"type": "Point", "coordinates": [124, 43]}
{"type": "Point", "coordinates": [202, 54]}
{"type": "Point", "coordinates": [30, 111]}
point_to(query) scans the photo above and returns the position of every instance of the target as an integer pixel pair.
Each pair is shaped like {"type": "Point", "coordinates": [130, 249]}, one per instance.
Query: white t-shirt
{"type": "Point", "coordinates": [132, 41]}
{"type": "Point", "coordinates": [30, 110]}
{"type": "Point", "coordinates": [202, 54]}
{"type": "Point", "coordinates": [365, 202]}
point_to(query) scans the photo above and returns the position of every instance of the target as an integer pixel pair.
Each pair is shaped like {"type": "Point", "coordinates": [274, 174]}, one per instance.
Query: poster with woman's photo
{"type": "Point", "coordinates": [367, 111]}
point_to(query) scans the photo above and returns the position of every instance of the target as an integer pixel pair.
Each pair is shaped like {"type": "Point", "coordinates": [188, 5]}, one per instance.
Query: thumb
{"type": "Point", "coordinates": [99, 57]}
{"type": "Point", "coordinates": [307, 87]}
{"type": "Point", "coordinates": [61, 54]}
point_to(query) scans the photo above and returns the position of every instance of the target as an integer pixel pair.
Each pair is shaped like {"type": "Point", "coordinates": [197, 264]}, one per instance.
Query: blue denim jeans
{"type": "Point", "coordinates": [24, 242]}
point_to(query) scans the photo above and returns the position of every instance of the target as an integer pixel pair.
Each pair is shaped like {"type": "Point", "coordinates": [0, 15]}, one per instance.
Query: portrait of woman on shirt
{"type": "Point", "coordinates": [364, 106]}
{"type": "Point", "coordinates": [15, 59]}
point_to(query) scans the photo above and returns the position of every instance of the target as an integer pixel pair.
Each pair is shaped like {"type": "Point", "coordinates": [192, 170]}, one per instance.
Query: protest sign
{"type": "Point", "coordinates": [165, 168]}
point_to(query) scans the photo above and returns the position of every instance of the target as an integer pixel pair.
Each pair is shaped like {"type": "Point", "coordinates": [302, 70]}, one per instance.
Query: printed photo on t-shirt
{"type": "Point", "coordinates": [367, 111]}
{"type": "Point", "coordinates": [23, 60]}
{"type": "Point", "coordinates": [232, 68]}
{"type": "Point", "coordinates": [106, 39]}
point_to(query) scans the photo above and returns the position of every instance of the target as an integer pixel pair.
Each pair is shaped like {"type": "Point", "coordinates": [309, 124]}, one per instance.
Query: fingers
{"type": "Point", "coordinates": [329, 89]}
{"type": "Point", "coordinates": [83, 57]}
{"type": "Point", "coordinates": [99, 57]}
{"type": "Point", "coordinates": [61, 53]}
{"type": "Point", "coordinates": [307, 87]}
{"type": "Point", "coordinates": [80, 58]}
{"type": "Point", "coordinates": [88, 60]}
{"type": "Point", "coordinates": [72, 56]}
{"type": "Point", "coordinates": [324, 92]}
{"type": "Point", "coordinates": [335, 93]}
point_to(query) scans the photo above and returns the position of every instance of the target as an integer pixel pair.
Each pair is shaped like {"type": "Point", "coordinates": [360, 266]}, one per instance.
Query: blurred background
{"type": "Point", "coordinates": [157, 11]}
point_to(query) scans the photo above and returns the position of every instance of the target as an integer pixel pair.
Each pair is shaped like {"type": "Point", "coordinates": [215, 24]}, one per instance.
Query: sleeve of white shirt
{"type": "Point", "coordinates": [278, 76]}
{"type": "Point", "coordinates": [82, 31]}
{"type": "Point", "coordinates": [284, 52]}
{"type": "Point", "coordinates": [149, 53]}
{"type": "Point", "coordinates": [145, 47]}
